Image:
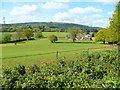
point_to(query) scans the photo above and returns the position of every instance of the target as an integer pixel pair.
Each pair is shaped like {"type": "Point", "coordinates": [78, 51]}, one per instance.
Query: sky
{"type": "Point", "coordinates": [86, 12]}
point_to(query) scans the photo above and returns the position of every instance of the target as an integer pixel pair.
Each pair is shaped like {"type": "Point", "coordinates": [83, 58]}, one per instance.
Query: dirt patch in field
{"type": "Point", "coordinates": [107, 47]}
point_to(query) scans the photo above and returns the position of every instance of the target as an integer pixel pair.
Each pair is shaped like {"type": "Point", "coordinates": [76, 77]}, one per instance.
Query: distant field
{"type": "Point", "coordinates": [58, 34]}
{"type": "Point", "coordinates": [28, 53]}
{"type": "Point", "coordinates": [46, 34]}
{"type": "Point", "coordinates": [7, 32]}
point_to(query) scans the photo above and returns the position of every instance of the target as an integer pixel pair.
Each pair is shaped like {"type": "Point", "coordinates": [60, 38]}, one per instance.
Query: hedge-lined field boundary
{"type": "Point", "coordinates": [97, 69]}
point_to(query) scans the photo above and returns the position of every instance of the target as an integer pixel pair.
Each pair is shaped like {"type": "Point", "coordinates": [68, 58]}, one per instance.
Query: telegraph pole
{"type": "Point", "coordinates": [3, 26]}
{"type": "Point", "coordinates": [4, 20]}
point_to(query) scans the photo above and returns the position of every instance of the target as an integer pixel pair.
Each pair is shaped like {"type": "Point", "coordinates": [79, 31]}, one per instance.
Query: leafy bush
{"type": "Point", "coordinates": [28, 33]}
{"type": "Point", "coordinates": [38, 35]}
{"type": "Point", "coordinates": [90, 71]}
{"type": "Point", "coordinates": [6, 38]}
{"type": "Point", "coordinates": [53, 38]}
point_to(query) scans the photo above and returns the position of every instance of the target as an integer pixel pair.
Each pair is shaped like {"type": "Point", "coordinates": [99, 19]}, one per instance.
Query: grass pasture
{"type": "Point", "coordinates": [42, 51]}
{"type": "Point", "coordinates": [58, 34]}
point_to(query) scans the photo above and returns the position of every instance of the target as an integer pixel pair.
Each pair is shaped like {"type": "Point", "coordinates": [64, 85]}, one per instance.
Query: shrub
{"type": "Point", "coordinates": [6, 38]}
{"type": "Point", "coordinates": [53, 38]}
{"type": "Point", "coordinates": [28, 33]}
{"type": "Point", "coordinates": [38, 34]}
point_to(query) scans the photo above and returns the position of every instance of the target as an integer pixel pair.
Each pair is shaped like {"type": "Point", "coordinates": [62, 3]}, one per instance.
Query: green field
{"type": "Point", "coordinates": [28, 53]}
{"type": "Point", "coordinates": [58, 34]}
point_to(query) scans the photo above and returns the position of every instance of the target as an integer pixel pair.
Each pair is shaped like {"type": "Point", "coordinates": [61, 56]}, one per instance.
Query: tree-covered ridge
{"type": "Point", "coordinates": [55, 25]}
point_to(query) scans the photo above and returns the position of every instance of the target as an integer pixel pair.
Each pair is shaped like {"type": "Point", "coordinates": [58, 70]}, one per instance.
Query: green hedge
{"type": "Point", "coordinates": [97, 69]}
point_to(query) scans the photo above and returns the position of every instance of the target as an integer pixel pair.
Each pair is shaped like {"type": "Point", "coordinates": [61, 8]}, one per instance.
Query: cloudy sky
{"type": "Point", "coordinates": [86, 12]}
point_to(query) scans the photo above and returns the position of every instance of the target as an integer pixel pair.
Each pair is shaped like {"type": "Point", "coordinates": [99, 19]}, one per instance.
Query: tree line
{"type": "Point", "coordinates": [28, 32]}
{"type": "Point", "coordinates": [22, 34]}
{"type": "Point", "coordinates": [53, 26]}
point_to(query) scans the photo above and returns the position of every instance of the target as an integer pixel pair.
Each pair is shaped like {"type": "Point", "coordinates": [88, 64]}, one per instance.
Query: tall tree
{"type": "Point", "coordinates": [102, 35]}
{"type": "Point", "coordinates": [115, 25]}
{"type": "Point", "coordinates": [37, 33]}
{"type": "Point", "coordinates": [19, 33]}
{"type": "Point", "coordinates": [28, 33]}
{"type": "Point", "coordinates": [73, 32]}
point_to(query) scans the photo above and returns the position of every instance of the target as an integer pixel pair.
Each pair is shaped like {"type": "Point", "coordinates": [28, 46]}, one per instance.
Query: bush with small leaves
{"type": "Point", "coordinates": [53, 38]}
{"type": "Point", "coordinates": [91, 71]}
{"type": "Point", "coordinates": [6, 38]}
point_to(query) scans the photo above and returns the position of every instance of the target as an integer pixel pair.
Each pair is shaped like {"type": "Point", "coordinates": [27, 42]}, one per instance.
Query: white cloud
{"type": "Point", "coordinates": [24, 10]}
{"type": "Point", "coordinates": [79, 10]}
{"type": "Point", "coordinates": [94, 21]}
{"type": "Point", "coordinates": [97, 16]}
{"type": "Point", "coordinates": [62, 0]}
{"type": "Point", "coordinates": [62, 17]}
{"type": "Point", "coordinates": [2, 10]}
{"type": "Point", "coordinates": [25, 18]}
{"type": "Point", "coordinates": [103, 1]}
{"type": "Point", "coordinates": [72, 16]}
{"type": "Point", "coordinates": [108, 1]}
{"type": "Point", "coordinates": [111, 12]}
{"type": "Point", "coordinates": [66, 17]}
{"type": "Point", "coordinates": [53, 5]}
{"type": "Point", "coordinates": [30, 18]}
{"type": "Point", "coordinates": [102, 23]}
{"type": "Point", "coordinates": [35, 0]}
{"type": "Point", "coordinates": [9, 20]}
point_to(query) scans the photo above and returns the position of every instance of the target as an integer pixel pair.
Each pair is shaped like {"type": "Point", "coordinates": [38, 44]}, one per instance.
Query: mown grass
{"type": "Point", "coordinates": [28, 53]}
{"type": "Point", "coordinates": [45, 34]}
{"type": "Point", "coordinates": [58, 34]}
{"type": "Point", "coordinates": [41, 46]}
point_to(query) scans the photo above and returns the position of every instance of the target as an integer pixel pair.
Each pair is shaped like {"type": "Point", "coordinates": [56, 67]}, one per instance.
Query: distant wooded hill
{"type": "Point", "coordinates": [58, 25]}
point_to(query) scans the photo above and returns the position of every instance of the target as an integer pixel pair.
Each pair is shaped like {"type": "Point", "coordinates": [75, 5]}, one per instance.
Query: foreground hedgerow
{"type": "Point", "coordinates": [97, 69]}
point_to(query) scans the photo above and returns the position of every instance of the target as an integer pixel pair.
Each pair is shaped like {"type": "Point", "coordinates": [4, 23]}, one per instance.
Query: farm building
{"type": "Point", "coordinates": [86, 37]}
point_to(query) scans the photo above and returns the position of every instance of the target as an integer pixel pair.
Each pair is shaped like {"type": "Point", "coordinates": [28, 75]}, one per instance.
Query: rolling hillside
{"type": "Point", "coordinates": [57, 25]}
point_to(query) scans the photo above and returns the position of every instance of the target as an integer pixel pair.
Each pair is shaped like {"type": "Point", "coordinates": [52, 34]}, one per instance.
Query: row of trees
{"type": "Point", "coordinates": [29, 32]}
{"type": "Point", "coordinates": [21, 34]}
{"type": "Point", "coordinates": [13, 28]}
{"type": "Point", "coordinates": [112, 33]}
{"type": "Point", "coordinates": [43, 28]}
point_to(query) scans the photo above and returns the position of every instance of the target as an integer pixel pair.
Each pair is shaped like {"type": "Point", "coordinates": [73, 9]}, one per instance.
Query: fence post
{"type": "Point", "coordinates": [88, 50]}
{"type": "Point", "coordinates": [57, 54]}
